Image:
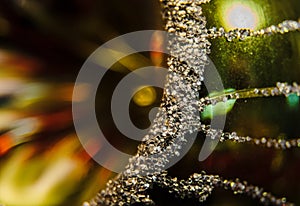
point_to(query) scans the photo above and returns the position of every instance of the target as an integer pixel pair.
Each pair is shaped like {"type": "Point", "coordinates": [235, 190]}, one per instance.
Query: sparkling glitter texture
{"type": "Point", "coordinates": [178, 115]}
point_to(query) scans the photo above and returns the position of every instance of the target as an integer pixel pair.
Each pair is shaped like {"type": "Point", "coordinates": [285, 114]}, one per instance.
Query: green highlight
{"type": "Point", "coordinates": [293, 100]}
{"type": "Point", "coordinates": [221, 108]}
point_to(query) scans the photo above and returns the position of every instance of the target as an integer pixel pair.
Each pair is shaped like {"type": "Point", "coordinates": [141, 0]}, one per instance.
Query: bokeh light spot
{"type": "Point", "coordinates": [241, 15]}
{"type": "Point", "coordinates": [145, 96]}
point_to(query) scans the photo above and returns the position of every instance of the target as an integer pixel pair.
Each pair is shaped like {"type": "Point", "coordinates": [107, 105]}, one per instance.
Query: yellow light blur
{"type": "Point", "coordinates": [7, 117]}
{"type": "Point", "coordinates": [25, 127]}
{"type": "Point", "coordinates": [244, 14]}
{"type": "Point", "coordinates": [145, 96]}
{"type": "Point", "coordinates": [31, 178]}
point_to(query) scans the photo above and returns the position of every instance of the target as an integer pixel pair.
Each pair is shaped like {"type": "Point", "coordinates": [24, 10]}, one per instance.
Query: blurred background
{"type": "Point", "coordinates": [43, 45]}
